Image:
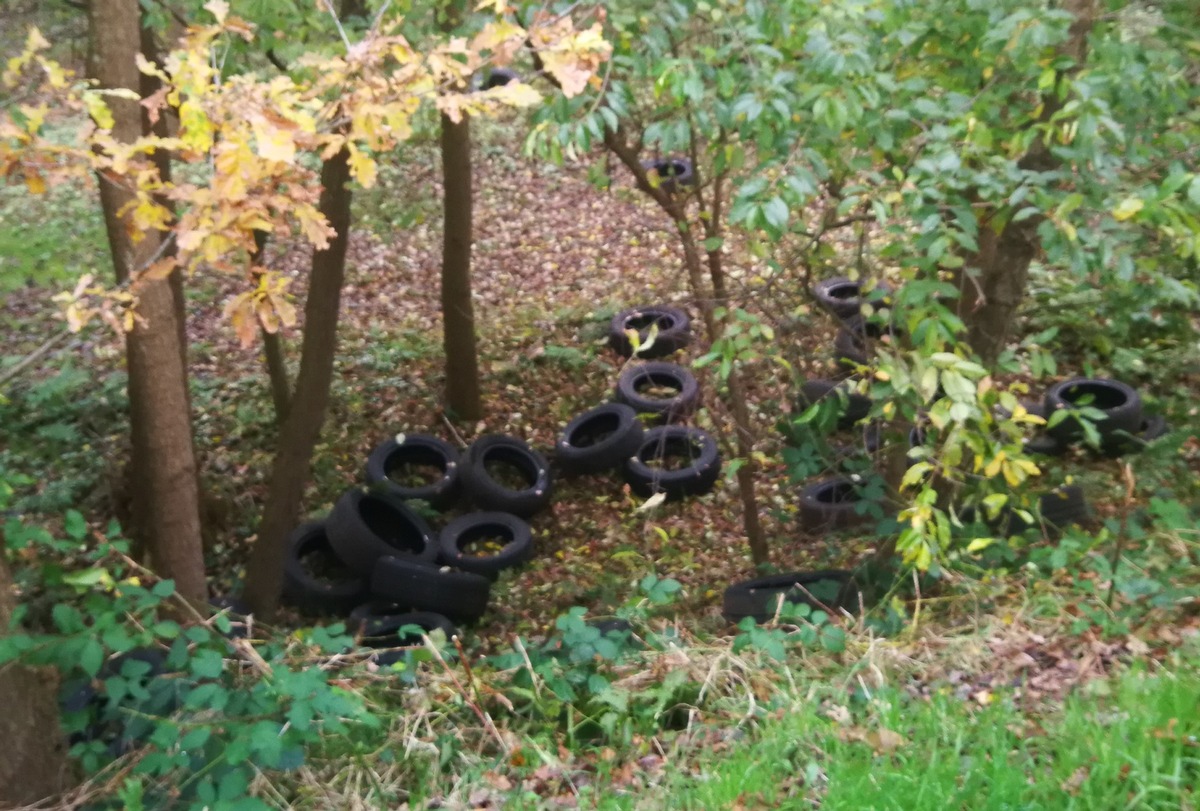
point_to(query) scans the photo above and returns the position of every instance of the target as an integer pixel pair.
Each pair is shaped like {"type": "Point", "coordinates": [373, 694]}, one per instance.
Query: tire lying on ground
{"type": "Point", "coordinates": [599, 439]}
{"type": "Point", "coordinates": [462, 596]}
{"type": "Point", "coordinates": [844, 298]}
{"type": "Point", "coordinates": [666, 390]}
{"type": "Point", "coordinates": [1152, 428]}
{"type": "Point", "coordinates": [486, 459]}
{"type": "Point", "coordinates": [312, 594]}
{"type": "Point", "coordinates": [1121, 405]}
{"type": "Point", "coordinates": [364, 527]}
{"type": "Point", "coordinates": [651, 469]}
{"type": "Point", "coordinates": [390, 458]}
{"type": "Point", "coordinates": [850, 350]}
{"type": "Point", "coordinates": [1056, 509]}
{"type": "Point", "coordinates": [673, 173]}
{"type": "Point", "coordinates": [673, 333]}
{"type": "Point", "coordinates": [498, 77]}
{"type": "Point", "coordinates": [831, 504]}
{"type": "Point", "coordinates": [853, 408]}
{"type": "Point", "coordinates": [759, 598]}
{"type": "Point", "coordinates": [513, 534]}
{"type": "Point", "coordinates": [395, 634]}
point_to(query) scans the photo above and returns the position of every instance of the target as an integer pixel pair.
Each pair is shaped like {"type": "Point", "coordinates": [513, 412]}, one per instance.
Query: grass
{"type": "Point", "coordinates": [1128, 743]}
{"type": "Point", "coordinates": [50, 240]}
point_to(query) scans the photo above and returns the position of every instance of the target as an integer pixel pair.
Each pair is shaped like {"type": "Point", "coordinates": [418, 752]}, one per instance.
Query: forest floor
{"type": "Point", "coordinates": [555, 258]}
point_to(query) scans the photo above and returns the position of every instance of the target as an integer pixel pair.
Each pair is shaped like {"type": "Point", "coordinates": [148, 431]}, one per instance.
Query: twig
{"type": "Point", "coordinates": [454, 430]}
{"type": "Point", "coordinates": [338, 23]}
{"type": "Point", "coordinates": [33, 356]}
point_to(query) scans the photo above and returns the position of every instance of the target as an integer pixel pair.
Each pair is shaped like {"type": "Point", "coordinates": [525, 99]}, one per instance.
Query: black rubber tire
{"type": "Point", "coordinates": [1063, 506]}
{"type": "Point", "coordinates": [666, 409]}
{"type": "Point", "coordinates": [674, 330]}
{"type": "Point", "coordinates": [758, 598]}
{"type": "Point", "coordinates": [849, 351]}
{"type": "Point", "coordinates": [1121, 405]}
{"type": "Point", "coordinates": [317, 596]}
{"type": "Point", "coordinates": [364, 527]}
{"type": "Point", "coordinates": [462, 596]}
{"type": "Point", "coordinates": [379, 630]}
{"type": "Point", "coordinates": [698, 478]}
{"type": "Point", "coordinates": [599, 439]}
{"type": "Point", "coordinates": [830, 504]}
{"type": "Point", "coordinates": [673, 173]}
{"type": "Point", "coordinates": [1151, 429]}
{"type": "Point", "coordinates": [360, 617]}
{"type": "Point", "coordinates": [855, 408]}
{"type": "Point", "coordinates": [490, 495]}
{"type": "Point", "coordinates": [518, 547]}
{"type": "Point", "coordinates": [839, 295]}
{"type": "Point", "coordinates": [423, 450]}
{"type": "Point", "coordinates": [498, 77]}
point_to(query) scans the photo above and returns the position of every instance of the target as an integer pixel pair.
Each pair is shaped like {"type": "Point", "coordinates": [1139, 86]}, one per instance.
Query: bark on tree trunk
{"type": "Point", "coordinates": [298, 437]}
{"type": "Point", "coordinates": [277, 373]}
{"type": "Point", "coordinates": [458, 311]}
{"type": "Point", "coordinates": [34, 765]}
{"type": "Point", "coordinates": [160, 414]}
{"type": "Point", "coordinates": [990, 296]}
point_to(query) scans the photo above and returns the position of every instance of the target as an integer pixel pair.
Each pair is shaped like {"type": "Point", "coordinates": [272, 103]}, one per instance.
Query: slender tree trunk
{"type": "Point", "coordinates": [163, 457]}
{"type": "Point", "coordinates": [301, 429]}
{"type": "Point", "coordinates": [277, 373]}
{"type": "Point", "coordinates": [458, 312]}
{"type": "Point", "coordinates": [993, 284]}
{"type": "Point", "coordinates": [34, 765]}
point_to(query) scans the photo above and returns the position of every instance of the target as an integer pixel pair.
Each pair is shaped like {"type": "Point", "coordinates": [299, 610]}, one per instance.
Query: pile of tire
{"type": "Point", "coordinates": [669, 458]}
{"type": "Point", "coordinates": [375, 559]}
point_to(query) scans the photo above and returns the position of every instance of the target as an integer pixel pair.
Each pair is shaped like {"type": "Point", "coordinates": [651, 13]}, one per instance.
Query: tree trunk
{"type": "Point", "coordinates": [990, 295]}
{"type": "Point", "coordinates": [167, 494]}
{"type": "Point", "coordinates": [458, 312]}
{"type": "Point", "coordinates": [34, 765]}
{"type": "Point", "coordinates": [301, 429]}
{"type": "Point", "coordinates": [277, 373]}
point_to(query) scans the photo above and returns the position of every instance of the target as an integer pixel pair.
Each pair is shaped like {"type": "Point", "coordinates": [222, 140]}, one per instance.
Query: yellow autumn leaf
{"type": "Point", "coordinates": [97, 108]}
{"type": "Point", "coordinates": [218, 8]}
{"type": "Point", "coordinates": [1128, 208]}
{"type": "Point", "coordinates": [362, 167]}
{"type": "Point", "coordinates": [994, 466]}
{"type": "Point", "coordinates": [274, 143]}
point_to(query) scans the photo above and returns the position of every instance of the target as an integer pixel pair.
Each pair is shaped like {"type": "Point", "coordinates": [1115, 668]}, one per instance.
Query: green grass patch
{"type": "Point", "coordinates": [1132, 742]}
{"type": "Point", "coordinates": [49, 240]}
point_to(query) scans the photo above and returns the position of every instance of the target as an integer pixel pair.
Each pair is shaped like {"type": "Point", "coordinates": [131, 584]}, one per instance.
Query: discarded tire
{"type": "Point", "coordinates": [383, 631]}
{"type": "Point", "coordinates": [760, 598]}
{"type": "Point", "coordinates": [850, 350]}
{"type": "Point", "coordinates": [498, 77]}
{"type": "Point", "coordinates": [335, 590]}
{"type": "Point", "coordinates": [600, 439]}
{"type": "Point", "coordinates": [673, 173]}
{"type": "Point", "coordinates": [853, 408]}
{"type": "Point", "coordinates": [1121, 405]}
{"type": "Point", "coordinates": [459, 595]}
{"type": "Point", "coordinates": [663, 389]}
{"type": "Point", "coordinates": [526, 491]}
{"type": "Point", "coordinates": [513, 535]}
{"type": "Point", "coordinates": [830, 504]}
{"type": "Point", "coordinates": [364, 527]}
{"type": "Point", "coordinates": [676, 461]}
{"type": "Point", "coordinates": [388, 462]}
{"type": "Point", "coordinates": [1063, 506]}
{"type": "Point", "coordinates": [673, 333]}
{"type": "Point", "coordinates": [1151, 429]}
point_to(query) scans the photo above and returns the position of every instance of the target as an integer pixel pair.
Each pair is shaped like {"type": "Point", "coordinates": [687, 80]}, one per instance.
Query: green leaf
{"type": "Point", "coordinates": [833, 639]}
{"type": "Point", "coordinates": [91, 657]}
{"type": "Point", "coordinates": [775, 211]}
{"type": "Point", "coordinates": [74, 525]}
{"type": "Point", "coordinates": [86, 578]}
{"type": "Point", "coordinates": [207, 664]}
{"type": "Point", "coordinates": [713, 243]}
